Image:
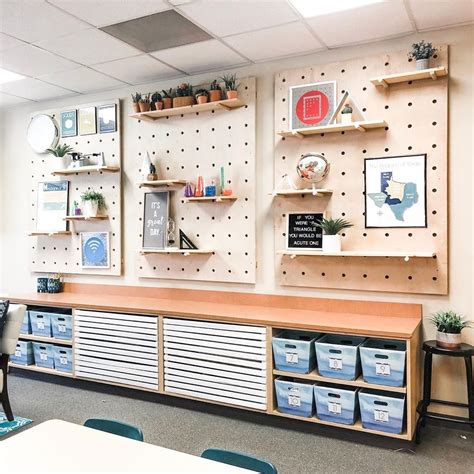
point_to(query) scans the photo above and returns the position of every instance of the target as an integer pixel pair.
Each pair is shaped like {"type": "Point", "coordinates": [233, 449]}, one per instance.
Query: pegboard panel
{"type": "Point", "coordinates": [62, 253]}
{"type": "Point", "coordinates": [183, 147]}
{"type": "Point", "coordinates": [417, 117]}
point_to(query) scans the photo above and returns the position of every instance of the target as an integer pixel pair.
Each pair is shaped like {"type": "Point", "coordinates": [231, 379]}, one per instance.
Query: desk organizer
{"type": "Point", "coordinates": [334, 403]}
{"type": "Point", "coordinates": [294, 397]}
{"type": "Point", "coordinates": [44, 355]}
{"type": "Point", "coordinates": [382, 411]}
{"type": "Point", "coordinates": [293, 351]}
{"type": "Point", "coordinates": [41, 323]}
{"type": "Point", "coordinates": [23, 353]}
{"type": "Point", "coordinates": [61, 325]}
{"type": "Point", "coordinates": [63, 358]}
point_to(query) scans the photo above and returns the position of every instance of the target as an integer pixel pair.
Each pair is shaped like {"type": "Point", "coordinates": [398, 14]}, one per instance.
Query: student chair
{"type": "Point", "coordinates": [115, 427]}
{"type": "Point", "coordinates": [239, 460]}
{"type": "Point", "coordinates": [11, 333]}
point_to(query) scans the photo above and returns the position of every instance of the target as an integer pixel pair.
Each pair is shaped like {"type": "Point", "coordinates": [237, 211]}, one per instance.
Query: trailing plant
{"type": "Point", "coordinates": [422, 50]}
{"type": "Point", "coordinates": [156, 97]}
{"type": "Point", "coordinates": [169, 94]}
{"type": "Point", "coordinates": [145, 98]}
{"type": "Point", "coordinates": [94, 196]}
{"type": "Point", "coordinates": [184, 90]}
{"type": "Point", "coordinates": [333, 226]}
{"type": "Point", "coordinates": [201, 92]}
{"type": "Point", "coordinates": [60, 150]}
{"type": "Point", "coordinates": [449, 322]}
{"type": "Point", "coordinates": [136, 97]}
{"type": "Point", "coordinates": [230, 82]}
{"type": "Point", "coordinates": [215, 86]}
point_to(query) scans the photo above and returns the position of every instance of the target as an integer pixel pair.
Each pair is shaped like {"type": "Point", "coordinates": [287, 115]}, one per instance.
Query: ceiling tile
{"type": "Point", "coordinates": [6, 100]}
{"type": "Point", "coordinates": [34, 89]}
{"type": "Point", "coordinates": [8, 42]}
{"type": "Point", "coordinates": [137, 70]}
{"type": "Point", "coordinates": [381, 20]}
{"type": "Point", "coordinates": [35, 20]}
{"type": "Point", "coordinates": [433, 14]}
{"type": "Point", "coordinates": [197, 57]}
{"type": "Point", "coordinates": [111, 11]}
{"type": "Point", "coordinates": [89, 47]}
{"type": "Point", "coordinates": [275, 42]}
{"type": "Point", "coordinates": [32, 61]}
{"type": "Point", "coordinates": [230, 18]}
{"type": "Point", "coordinates": [82, 80]}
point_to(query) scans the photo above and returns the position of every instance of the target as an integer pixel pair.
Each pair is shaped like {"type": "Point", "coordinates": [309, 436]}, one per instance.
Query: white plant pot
{"type": "Point", "coordinates": [448, 340]}
{"type": "Point", "coordinates": [332, 243]}
{"type": "Point", "coordinates": [91, 208]}
{"type": "Point", "coordinates": [422, 64]}
{"type": "Point", "coordinates": [346, 118]}
{"type": "Point", "coordinates": [61, 162]}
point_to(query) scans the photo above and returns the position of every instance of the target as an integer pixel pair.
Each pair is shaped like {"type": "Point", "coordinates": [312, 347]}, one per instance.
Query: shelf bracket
{"type": "Point", "coordinates": [297, 135]}
{"type": "Point", "coordinates": [407, 258]}
{"type": "Point", "coordinates": [383, 83]}
{"type": "Point", "coordinates": [292, 256]}
{"type": "Point", "coordinates": [360, 128]}
{"type": "Point", "coordinates": [433, 75]}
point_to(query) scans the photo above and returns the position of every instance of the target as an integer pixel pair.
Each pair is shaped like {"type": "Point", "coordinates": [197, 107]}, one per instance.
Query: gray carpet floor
{"type": "Point", "coordinates": [294, 447]}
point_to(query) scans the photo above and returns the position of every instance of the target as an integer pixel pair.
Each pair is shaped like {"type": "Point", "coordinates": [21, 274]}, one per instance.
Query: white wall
{"type": "Point", "coordinates": [15, 188]}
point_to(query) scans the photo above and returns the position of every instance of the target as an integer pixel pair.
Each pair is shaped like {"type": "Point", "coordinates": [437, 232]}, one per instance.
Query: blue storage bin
{"type": "Point", "coordinates": [26, 324]}
{"type": "Point", "coordinates": [40, 323]}
{"type": "Point", "coordinates": [293, 351]}
{"type": "Point", "coordinates": [63, 358]}
{"type": "Point", "coordinates": [383, 362]}
{"type": "Point", "coordinates": [382, 411]}
{"type": "Point", "coordinates": [61, 325]}
{"type": "Point", "coordinates": [335, 403]}
{"type": "Point", "coordinates": [44, 355]}
{"type": "Point", "coordinates": [338, 356]}
{"type": "Point", "coordinates": [23, 353]}
{"type": "Point", "coordinates": [295, 398]}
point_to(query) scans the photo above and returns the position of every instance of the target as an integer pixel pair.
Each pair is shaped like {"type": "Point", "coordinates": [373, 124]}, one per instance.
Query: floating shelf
{"type": "Point", "coordinates": [162, 183]}
{"type": "Point", "coordinates": [432, 73]}
{"type": "Point", "coordinates": [298, 192]}
{"type": "Point", "coordinates": [211, 199]}
{"type": "Point", "coordinates": [227, 104]}
{"type": "Point", "coordinates": [34, 368]}
{"type": "Point", "coordinates": [51, 340]}
{"type": "Point", "coordinates": [356, 253]}
{"type": "Point", "coordinates": [50, 234]}
{"type": "Point", "coordinates": [85, 218]}
{"type": "Point", "coordinates": [335, 127]}
{"type": "Point", "coordinates": [185, 252]}
{"type": "Point", "coordinates": [86, 169]}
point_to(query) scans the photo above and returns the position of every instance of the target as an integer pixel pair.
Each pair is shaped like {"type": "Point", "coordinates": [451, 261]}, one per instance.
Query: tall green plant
{"type": "Point", "coordinates": [230, 81]}
{"type": "Point", "coordinates": [449, 322]}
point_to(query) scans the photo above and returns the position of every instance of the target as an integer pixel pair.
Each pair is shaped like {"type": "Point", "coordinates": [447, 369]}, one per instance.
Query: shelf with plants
{"type": "Point", "coordinates": [300, 192]}
{"type": "Point", "coordinates": [361, 126]}
{"type": "Point", "coordinates": [52, 233]}
{"type": "Point", "coordinates": [220, 199]}
{"type": "Point", "coordinates": [86, 218]}
{"type": "Point", "coordinates": [175, 251]}
{"type": "Point", "coordinates": [86, 169]}
{"type": "Point", "coordinates": [162, 183]}
{"type": "Point", "coordinates": [357, 253]}
{"type": "Point", "coordinates": [43, 370]}
{"type": "Point", "coordinates": [432, 73]}
{"type": "Point", "coordinates": [51, 340]}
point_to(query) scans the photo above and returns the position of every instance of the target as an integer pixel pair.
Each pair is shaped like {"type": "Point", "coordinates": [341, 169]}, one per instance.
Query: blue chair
{"type": "Point", "coordinates": [115, 427]}
{"type": "Point", "coordinates": [239, 460]}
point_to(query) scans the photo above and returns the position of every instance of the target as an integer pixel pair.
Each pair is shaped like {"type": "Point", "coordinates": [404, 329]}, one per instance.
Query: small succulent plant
{"type": "Point", "coordinates": [184, 90]}
{"type": "Point", "coordinates": [449, 322]}
{"type": "Point", "coordinates": [422, 50]}
{"type": "Point", "coordinates": [60, 150]}
{"type": "Point", "coordinates": [215, 86]}
{"type": "Point", "coordinates": [169, 94]}
{"type": "Point", "coordinates": [156, 97]}
{"type": "Point", "coordinates": [333, 226]}
{"type": "Point", "coordinates": [136, 97]}
{"type": "Point", "coordinates": [94, 196]}
{"type": "Point", "coordinates": [145, 98]}
{"type": "Point", "coordinates": [230, 82]}
{"type": "Point", "coordinates": [201, 92]}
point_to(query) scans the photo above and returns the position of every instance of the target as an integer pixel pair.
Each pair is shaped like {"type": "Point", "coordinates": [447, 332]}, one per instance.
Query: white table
{"type": "Point", "coordinates": [60, 446]}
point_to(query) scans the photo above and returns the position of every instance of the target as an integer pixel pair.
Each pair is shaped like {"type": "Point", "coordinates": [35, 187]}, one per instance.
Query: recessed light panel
{"type": "Point", "coordinates": [312, 8]}
{"type": "Point", "coordinates": [8, 76]}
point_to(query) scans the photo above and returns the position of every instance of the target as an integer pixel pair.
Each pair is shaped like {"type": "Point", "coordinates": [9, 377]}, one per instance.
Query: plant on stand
{"type": "Point", "coordinates": [215, 91]}
{"type": "Point", "coordinates": [331, 229]}
{"type": "Point", "coordinates": [156, 102]}
{"type": "Point", "coordinates": [61, 152]}
{"type": "Point", "coordinates": [93, 203]}
{"type": "Point", "coordinates": [144, 103]}
{"type": "Point", "coordinates": [449, 325]}
{"type": "Point", "coordinates": [230, 83]}
{"type": "Point", "coordinates": [136, 101]}
{"type": "Point", "coordinates": [201, 96]}
{"type": "Point", "coordinates": [422, 52]}
{"type": "Point", "coordinates": [184, 95]}
{"type": "Point", "coordinates": [167, 98]}
{"type": "Point", "coordinates": [346, 114]}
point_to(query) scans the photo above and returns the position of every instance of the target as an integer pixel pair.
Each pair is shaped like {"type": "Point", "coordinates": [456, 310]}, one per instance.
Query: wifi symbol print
{"type": "Point", "coordinates": [94, 250]}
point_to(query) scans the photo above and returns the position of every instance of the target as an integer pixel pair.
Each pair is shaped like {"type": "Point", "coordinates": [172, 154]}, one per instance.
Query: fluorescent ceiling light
{"type": "Point", "coordinates": [8, 76]}
{"type": "Point", "coordinates": [310, 8]}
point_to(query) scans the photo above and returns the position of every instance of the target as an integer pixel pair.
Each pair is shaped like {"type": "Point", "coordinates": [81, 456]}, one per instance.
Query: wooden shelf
{"type": "Point", "coordinates": [86, 169]}
{"type": "Point", "coordinates": [34, 368]}
{"type": "Point", "coordinates": [211, 199]}
{"type": "Point", "coordinates": [162, 183]}
{"type": "Point", "coordinates": [185, 252]}
{"type": "Point", "coordinates": [357, 253]}
{"type": "Point", "coordinates": [299, 192]}
{"type": "Point", "coordinates": [335, 127]}
{"type": "Point", "coordinates": [432, 73]}
{"type": "Point", "coordinates": [85, 218]}
{"type": "Point", "coordinates": [50, 340]}
{"type": "Point", "coordinates": [50, 234]}
{"type": "Point", "coordinates": [227, 104]}
{"type": "Point", "coordinates": [353, 383]}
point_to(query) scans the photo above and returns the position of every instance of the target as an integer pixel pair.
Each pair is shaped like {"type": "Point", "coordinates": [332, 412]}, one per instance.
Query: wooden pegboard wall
{"type": "Point", "coordinates": [183, 147]}
{"type": "Point", "coordinates": [62, 253]}
{"type": "Point", "coordinates": [417, 117]}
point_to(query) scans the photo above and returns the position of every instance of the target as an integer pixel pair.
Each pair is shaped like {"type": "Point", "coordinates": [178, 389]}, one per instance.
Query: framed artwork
{"type": "Point", "coordinates": [395, 191]}
{"type": "Point", "coordinates": [87, 121]}
{"type": "Point", "coordinates": [95, 250]}
{"type": "Point", "coordinates": [69, 123]}
{"type": "Point", "coordinates": [155, 220]}
{"type": "Point", "coordinates": [52, 206]}
{"type": "Point", "coordinates": [107, 118]}
{"type": "Point", "coordinates": [312, 105]}
{"type": "Point", "coordinates": [303, 231]}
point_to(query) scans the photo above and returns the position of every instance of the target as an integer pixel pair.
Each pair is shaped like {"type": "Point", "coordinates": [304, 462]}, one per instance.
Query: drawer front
{"type": "Point", "coordinates": [116, 348]}
{"type": "Point", "coordinates": [216, 361]}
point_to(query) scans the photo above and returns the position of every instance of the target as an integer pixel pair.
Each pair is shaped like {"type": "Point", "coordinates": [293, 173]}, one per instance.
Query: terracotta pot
{"type": "Point", "coordinates": [202, 99]}
{"type": "Point", "coordinates": [159, 105]}
{"type": "Point", "coordinates": [136, 107]}
{"type": "Point", "coordinates": [183, 101]}
{"type": "Point", "coordinates": [167, 102]}
{"type": "Point", "coordinates": [231, 94]}
{"type": "Point", "coordinates": [448, 340]}
{"type": "Point", "coordinates": [144, 106]}
{"type": "Point", "coordinates": [214, 96]}
{"type": "Point", "coordinates": [152, 177]}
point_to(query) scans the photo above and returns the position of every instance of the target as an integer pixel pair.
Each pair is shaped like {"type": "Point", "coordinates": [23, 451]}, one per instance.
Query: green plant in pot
{"type": "Point", "coordinates": [136, 101]}
{"type": "Point", "coordinates": [230, 83]}
{"type": "Point", "coordinates": [61, 152]}
{"type": "Point", "coordinates": [184, 95]}
{"type": "Point", "coordinates": [331, 237]}
{"type": "Point", "coordinates": [215, 91]}
{"type": "Point", "coordinates": [201, 96]}
{"type": "Point", "coordinates": [145, 103]}
{"type": "Point", "coordinates": [421, 52]}
{"type": "Point", "coordinates": [449, 326]}
{"type": "Point", "coordinates": [167, 98]}
{"type": "Point", "coordinates": [346, 113]}
{"type": "Point", "coordinates": [156, 102]}
{"type": "Point", "coordinates": [93, 203]}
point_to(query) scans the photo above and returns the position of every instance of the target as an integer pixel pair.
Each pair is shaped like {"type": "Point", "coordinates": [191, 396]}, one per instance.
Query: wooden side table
{"type": "Point", "coordinates": [466, 351]}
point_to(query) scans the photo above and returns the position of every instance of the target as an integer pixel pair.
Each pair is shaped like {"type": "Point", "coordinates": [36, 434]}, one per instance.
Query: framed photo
{"type": "Point", "coordinates": [69, 123]}
{"type": "Point", "coordinates": [155, 220]}
{"type": "Point", "coordinates": [107, 118]}
{"type": "Point", "coordinates": [395, 191]}
{"type": "Point", "coordinates": [52, 206]}
{"type": "Point", "coordinates": [87, 121]}
{"type": "Point", "coordinates": [303, 231]}
{"type": "Point", "coordinates": [95, 250]}
{"type": "Point", "coordinates": [312, 105]}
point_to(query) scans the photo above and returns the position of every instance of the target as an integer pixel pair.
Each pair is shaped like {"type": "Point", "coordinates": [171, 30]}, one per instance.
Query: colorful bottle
{"type": "Point", "coordinates": [188, 190]}
{"type": "Point", "coordinates": [211, 189]}
{"type": "Point", "coordinates": [199, 189]}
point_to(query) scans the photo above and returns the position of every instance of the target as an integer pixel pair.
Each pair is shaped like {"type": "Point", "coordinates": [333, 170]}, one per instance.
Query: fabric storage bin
{"type": "Point", "coordinates": [382, 411]}
{"type": "Point", "coordinates": [293, 351]}
{"type": "Point", "coordinates": [61, 325]}
{"type": "Point", "coordinates": [44, 355]}
{"type": "Point", "coordinates": [383, 361]}
{"type": "Point", "coordinates": [23, 353]}
{"type": "Point", "coordinates": [63, 358]}
{"type": "Point", "coordinates": [336, 403]}
{"type": "Point", "coordinates": [40, 323]}
{"type": "Point", "coordinates": [26, 324]}
{"type": "Point", "coordinates": [294, 397]}
{"type": "Point", "coordinates": [338, 356]}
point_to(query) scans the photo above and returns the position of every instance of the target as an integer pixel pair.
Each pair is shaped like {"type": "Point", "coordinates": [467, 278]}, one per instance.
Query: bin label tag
{"type": "Point", "coordinates": [43, 355]}
{"type": "Point", "coordinates": [18, 352]}
{"type": "Point", "coordinates": [291, 357]}
{"type": "Point", "coordinates": [63, 359]}
{"type": "Point", "coordinates": [335, 363]}
{"type": "Point", "coordinates": [294, 399]}
{"type": "Point", "coordinates": [335, 408]}
{"type": "Point", "coordinates": [381, 416]}
{"type": "Point", "coordinates": [382, 368]}
{"type": "Point", "coordinates": [61, 327]}
{"type": "Point", "coordinates": [40, 324]}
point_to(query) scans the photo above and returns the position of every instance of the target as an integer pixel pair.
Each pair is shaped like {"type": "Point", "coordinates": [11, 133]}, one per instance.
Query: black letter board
{"type": "Point", "coordinates": [304, 231]}
{"type": "Point", "coordinates": [155, 220]}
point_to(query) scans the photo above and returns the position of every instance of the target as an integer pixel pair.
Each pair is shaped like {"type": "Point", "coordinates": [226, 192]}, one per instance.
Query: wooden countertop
{"type": "Point", "coordinates": [382, 319]}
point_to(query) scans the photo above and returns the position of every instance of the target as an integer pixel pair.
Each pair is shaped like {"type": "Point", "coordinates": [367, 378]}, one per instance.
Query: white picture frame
{"type": "Point", "coordinates": [95, 250]}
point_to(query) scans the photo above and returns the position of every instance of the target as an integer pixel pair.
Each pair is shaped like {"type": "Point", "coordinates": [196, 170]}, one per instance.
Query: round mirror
{"type": "Point", "coordinates": [43, 133]}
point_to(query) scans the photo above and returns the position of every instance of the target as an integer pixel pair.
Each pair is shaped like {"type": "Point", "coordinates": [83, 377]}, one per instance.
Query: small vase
{"type": "Point", "coordinates": [202, 99]}
{"type": "Point", "coordinates": [346, 118]}
{"type": "Point", "coordinates": [144, 106]}
{"type": "Point", "coordinates": [136, 107]}
{"type": "Point", "coordinates": [332, 243]}
{"type": "Point", "coordinates": [448, 340]}
{"type": "Point", "coordinates": [91, 208]}
{"type": "Point", "coordinates": [231, 94]}
{"type": "Point", "coordinates": [54, 285]}
{"type": "Point", "coordinates": [214, 96]}
{"type": "Point", "coordinates": [167, 102]}
{"type": "Point", "coordinates": [422, 64]}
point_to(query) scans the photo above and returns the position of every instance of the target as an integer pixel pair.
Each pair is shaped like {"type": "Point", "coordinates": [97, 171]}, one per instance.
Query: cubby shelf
{"type": "Point", "coordinates": [34, 368]}
{"type": "Point", "coordinates": [86, 169]}
{"type": "Point", "coordinates": [211, 199]}
{"type": "Point", "coordinates": [432, 73]}
{"type": "Point", "coordinates": [162, 183]}
{"type": "Point", "coordinates": [335, 127]}
{"type": "Point", "coordinates": [85, 218]}
{"type": "Point", "coordinates": [357, 253]}
{"type": "Point", "coordinates": [52, 233]}
{"type": "Point", "coordinates": [152, 115]}
{"type": "Point", "coordinates": [50, 340]}
{"type": "Point", "coordinates": [185, 252]}
{"type": "Point", "coordinates": [298, 192]}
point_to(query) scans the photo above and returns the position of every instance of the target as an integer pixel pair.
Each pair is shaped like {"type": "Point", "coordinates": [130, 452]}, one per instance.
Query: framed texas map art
{"type": "Point", "coordinates": [395, 191]}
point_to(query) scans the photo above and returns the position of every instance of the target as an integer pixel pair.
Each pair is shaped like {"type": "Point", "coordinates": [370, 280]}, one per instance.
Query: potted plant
{"type": "Point", "coordinates": [346, 114]}
{"type": "Point", "coordinates": [61, 152]}
{"type": "Point", "coordinates": [184, 95]}
{"type": "Point", "coordinates": [144, 103]}
{"type": "Point", "coordinates": [422, 52]}
{"type": "Point", "coordinates": [201, 96]}
{"type": "Point", "coordinates": [230, 85]}
{"type": "Point", "coordinates": [136, 100]}
{"type": "Point", "coordinates": [93, 202]}
{"type": "Point", "coordinates": [449, 326]}
{"type": "Point", "coordinates": [167, 98]}
{"type": "Point", "coordinates": [215, 91]}
{"type": "Point", "coordinates": [156, 102]}
{"type": "Point", "coordinates": [331, 229]}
